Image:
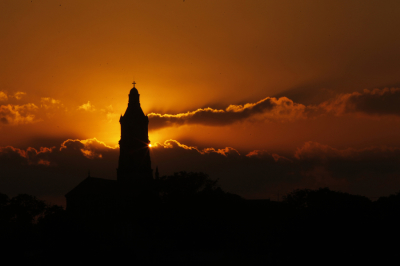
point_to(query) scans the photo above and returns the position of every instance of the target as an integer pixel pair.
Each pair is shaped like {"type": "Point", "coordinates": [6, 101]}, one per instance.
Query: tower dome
{"type": "Point", "coordinates": [134, 95]}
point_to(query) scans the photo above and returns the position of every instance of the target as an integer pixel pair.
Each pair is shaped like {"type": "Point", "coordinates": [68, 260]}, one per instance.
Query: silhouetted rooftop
{"type": "Point", "coordinates": [94, 186]}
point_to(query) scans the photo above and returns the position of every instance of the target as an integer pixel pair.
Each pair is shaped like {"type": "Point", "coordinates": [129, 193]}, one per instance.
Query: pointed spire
{"type": "Point", "coordinates": [134, 84]}
{"type": "Point", "coordinates": [157, 174]}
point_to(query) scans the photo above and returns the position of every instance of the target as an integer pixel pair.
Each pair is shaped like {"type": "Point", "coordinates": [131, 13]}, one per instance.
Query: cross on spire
{"type": "Point", "coordinates": [134, 83]}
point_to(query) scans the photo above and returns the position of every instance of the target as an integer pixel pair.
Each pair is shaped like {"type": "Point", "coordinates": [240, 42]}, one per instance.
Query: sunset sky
{"type": "Point", "coordinates": [266, 96]}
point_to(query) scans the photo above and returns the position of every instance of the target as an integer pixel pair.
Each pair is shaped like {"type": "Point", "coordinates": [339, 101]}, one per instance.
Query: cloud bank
{"type": "Point", "coordinates": [377, 102]}
{"type": "Point", "coordinates": [268, 108]}
{"type": "Point", "coordinates": [371, 171]}
{"type": "Point", "coordinates": [51, 172]}
{"type": "Point", "coordinates": [18, 95]}
{"type": "Point", "coordinates": [18, 114]}
{"type": "Point", "coordinates": [369, 102]}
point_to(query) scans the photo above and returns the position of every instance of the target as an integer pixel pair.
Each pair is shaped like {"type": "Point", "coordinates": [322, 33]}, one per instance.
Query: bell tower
{"type": "Point", "coordinates": [134, 165]}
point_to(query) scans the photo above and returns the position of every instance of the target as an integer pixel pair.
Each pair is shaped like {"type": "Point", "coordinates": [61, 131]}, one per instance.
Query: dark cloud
{"type": "Point", "coordinates": [373, 171]}
{"type": "Point", "coordinates": [369, 171]}
{"type": "Point", "coordinates": [312, 93]}
{"type": "Point", "coordinates": [268, 108]}
{"type": "Point", "coordinates": [51, 172]}
{"type": "Point", "coordinates": [70, 152]}
{"type": "Point", "coordinates": [350, 163]}
{"type": "Point", "coordinates": [370, 102]}
{"type": "Point", "coordinates": [14, 156]}
{"type": "Point", "coordinates": [248, 175]}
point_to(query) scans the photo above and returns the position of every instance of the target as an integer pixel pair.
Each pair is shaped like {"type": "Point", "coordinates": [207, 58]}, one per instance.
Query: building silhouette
{"type": "Point", "coordinates": [96, 198]}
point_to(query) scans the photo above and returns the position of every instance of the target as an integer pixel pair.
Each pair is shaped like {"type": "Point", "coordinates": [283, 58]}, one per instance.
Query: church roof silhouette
{"type": "Point", "coordinates": [93, 186]}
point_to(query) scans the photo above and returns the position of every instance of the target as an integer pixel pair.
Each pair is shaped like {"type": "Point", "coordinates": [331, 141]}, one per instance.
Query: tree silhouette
{"type": "Point", "coordinates": [326, 201]}
{"type": "Point", "coordinates": [185, 184]}
{"type": "Point", "coordinates": [26, 209]}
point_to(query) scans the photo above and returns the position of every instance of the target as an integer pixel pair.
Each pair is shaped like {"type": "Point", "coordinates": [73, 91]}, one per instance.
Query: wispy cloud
{"type": "Point", "coordinates": [110, 114]}
{"type": "Point", "coordinates": [50, 103]}
{"type": "Point", "coordinates": [18, 95]}
{"type": "Point", "coordinates": [18, 114]}
{"type": "Point", "coordinates": [3, 96]}
{"type": "Point", "coordinates": [87, 107]}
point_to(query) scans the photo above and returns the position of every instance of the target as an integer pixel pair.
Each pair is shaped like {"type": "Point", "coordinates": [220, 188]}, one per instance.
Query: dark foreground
{"type": "Point", "coordinates": [314, 227]}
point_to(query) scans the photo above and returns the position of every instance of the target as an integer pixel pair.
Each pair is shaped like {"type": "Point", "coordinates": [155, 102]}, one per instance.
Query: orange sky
{"type": "Point", "coordinates": [67, 67]}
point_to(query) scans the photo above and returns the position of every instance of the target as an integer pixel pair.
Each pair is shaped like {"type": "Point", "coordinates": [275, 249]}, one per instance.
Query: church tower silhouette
{"type": "Point", "coordinates": [97, 199]}
{"type": "Point", "coordinates": [134, 165]}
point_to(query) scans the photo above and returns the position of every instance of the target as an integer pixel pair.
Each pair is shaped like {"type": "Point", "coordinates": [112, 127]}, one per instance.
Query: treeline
{"type": "Point", "coordinates": [27, 226]}
{"type": "Point", "coordinates": [192, 220]}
